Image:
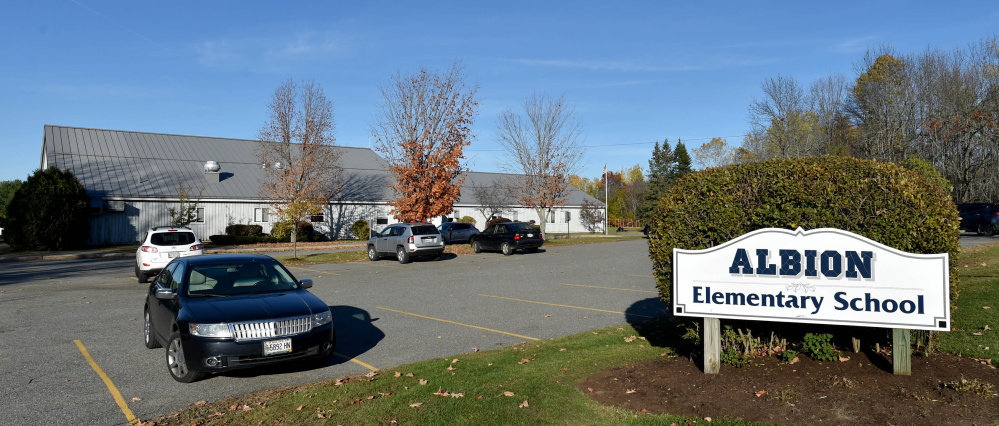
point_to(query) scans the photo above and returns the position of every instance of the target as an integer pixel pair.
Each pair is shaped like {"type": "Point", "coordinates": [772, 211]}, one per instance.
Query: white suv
{"type": "Point", "coordinates": [161, 245]}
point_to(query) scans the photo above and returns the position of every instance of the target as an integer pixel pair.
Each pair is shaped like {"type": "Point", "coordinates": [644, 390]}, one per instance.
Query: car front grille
{"type": "Point", "coordinates": [268, 329]}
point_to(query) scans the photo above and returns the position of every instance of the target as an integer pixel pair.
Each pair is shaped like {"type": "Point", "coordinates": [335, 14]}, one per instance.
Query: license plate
{"type": "Point", "coordinates": [429, 239]}
{"type": "Point", "coordinates": [173, 254]}
{"type": "Point", "coordinates": [272, 347]}
{"type": "Point", "coordinates": [530, 235]}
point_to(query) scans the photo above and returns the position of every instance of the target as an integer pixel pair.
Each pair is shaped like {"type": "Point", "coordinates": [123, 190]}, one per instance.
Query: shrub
{"type": "Point", "coordinates": [924, 168]}
{"type": "Point", "coordinates": [228, 240]}
{"type": "Point", "coordinates": [282, 231]}
{"type": "Point", "coordinates": [819, 347]}
{"type": "Point", "coordinates": [50, 211]}
{"type": "Point", "coordinates": [467, 219]}
{"type": "Point", "coordinates": [880, 201]}
{"type": "Point", "coordinates": [360, 230]}
{"type": "Point", "coordinates": [244, 230]}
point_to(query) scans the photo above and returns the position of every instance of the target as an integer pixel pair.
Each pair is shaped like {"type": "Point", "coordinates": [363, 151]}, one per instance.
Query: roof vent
{"type": "Point", "coordinates": [212, 174]}
{"type": "Point", "coordinates": [277, 165]}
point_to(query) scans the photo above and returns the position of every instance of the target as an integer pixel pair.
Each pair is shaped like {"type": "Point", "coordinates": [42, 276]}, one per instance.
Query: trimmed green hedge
{"type": "Point", "coordinates": [880, 201]}
{"type": "Point", "coordinates": [244, 230]}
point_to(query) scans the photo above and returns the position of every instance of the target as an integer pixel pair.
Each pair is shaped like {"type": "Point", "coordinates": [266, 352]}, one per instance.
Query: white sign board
{"type": "Point", "coordinates": [825, 276]}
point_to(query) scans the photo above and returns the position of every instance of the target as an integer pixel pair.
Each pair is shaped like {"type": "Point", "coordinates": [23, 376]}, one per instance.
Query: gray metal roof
{"type": "Point", "coordinates": [124, 164]}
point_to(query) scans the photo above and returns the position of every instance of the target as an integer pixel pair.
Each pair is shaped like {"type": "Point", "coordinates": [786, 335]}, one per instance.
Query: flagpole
{"type": "Point", "coordinates": [606, 210]}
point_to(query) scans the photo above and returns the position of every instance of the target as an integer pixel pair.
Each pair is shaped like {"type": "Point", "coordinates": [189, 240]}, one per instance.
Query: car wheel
{"type": "Point", "coordinates": [141, 277]}
{"type": "Point", "coordinates": [986, 229]}
{"type": "Point", "coordinates": [533, 249]}
{"type": "Point", "coordinates": [402, 255]}
{"type": "Point", "coordinates": [476, 247]}
{"type": "Point", "coordinates": [177, 364]}
{"type": "Point", "coordinates": [372, 253]}
{"type": "Point", "coordinates": [507, 250]}
{"type": "Point", "coordinates": [147, 332]}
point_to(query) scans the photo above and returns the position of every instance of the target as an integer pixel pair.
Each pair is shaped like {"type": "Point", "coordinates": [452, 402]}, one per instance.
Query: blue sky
{"type": "Point", "coordinates": [637, 72]}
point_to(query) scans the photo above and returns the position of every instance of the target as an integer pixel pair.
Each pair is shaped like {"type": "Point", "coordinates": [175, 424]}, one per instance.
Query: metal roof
{"type": "Point", "coordinates": [125, 164]}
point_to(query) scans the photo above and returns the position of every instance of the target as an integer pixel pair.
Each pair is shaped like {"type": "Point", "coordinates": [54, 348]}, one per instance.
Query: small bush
{"type": "Point", "coordinates": [282, 231]}
{"type": "Point", "coordinates": [788, 355]}
{"type": "Point", "coordinates": [360, 230]}
{"type": "Point", "coordinates": [228, 240]}
{"type": "Point", "coordinates": [732, 357]}
{"type": "Point", "coordinates": [819, 347]}
{"type": "Point", "coordinates": [244, 230]}
{"type": "Point", "coordinates": [467, 219]}
{"type": "Point", "coordinates": [974, 386]}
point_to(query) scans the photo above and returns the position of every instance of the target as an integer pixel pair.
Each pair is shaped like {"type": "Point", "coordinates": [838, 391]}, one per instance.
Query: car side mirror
{"type": "Point", "coordinates": [306, 283]}
{"type": "Point", "coordinates": [165, 294]}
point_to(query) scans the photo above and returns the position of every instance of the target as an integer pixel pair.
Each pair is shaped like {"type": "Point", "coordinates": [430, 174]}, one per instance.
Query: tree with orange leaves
{"type": "Point", "coordinates": [422, 128]}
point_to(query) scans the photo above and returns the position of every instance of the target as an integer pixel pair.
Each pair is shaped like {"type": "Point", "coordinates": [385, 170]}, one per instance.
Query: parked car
{"type": "Point", "coordinates": [508, 237]}
{"type": "Point", "coordinates": [406, 240]}
{"type": "Point", "coordinates": [457, 232]}
{"type": "Point", "coordinates": [981, 218]}
{"type": "Point", "coordinates": [162, 244]}
{"type": "Point", "coordinates": [222, 312]}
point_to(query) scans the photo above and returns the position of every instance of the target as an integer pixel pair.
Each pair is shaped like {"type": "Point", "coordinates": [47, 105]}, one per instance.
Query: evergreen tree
{"type": "Point", "coordinates": [658, 180]}
{"type": "Point", "coordinates": [680, 164]}
{"type": "Point", "coordinates": [48, 212]}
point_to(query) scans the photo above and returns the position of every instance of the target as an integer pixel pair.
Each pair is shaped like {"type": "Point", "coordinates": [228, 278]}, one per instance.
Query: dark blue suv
{"type": "Point", "coordinates": [981, 218]}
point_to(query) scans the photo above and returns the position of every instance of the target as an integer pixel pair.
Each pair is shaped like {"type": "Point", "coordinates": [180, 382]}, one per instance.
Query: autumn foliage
{"type": "Point", "coordinates": [424, 124]}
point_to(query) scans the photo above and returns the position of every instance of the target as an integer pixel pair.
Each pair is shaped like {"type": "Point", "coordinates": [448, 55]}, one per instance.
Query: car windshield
{"type": "Point", "coordinates": [518, 226]}
{"type": "Point", "coordinates": [172, 238]}
{"type": "Point", "coordinates": [425, 230]}
{"type": "Point", "coordinates": [235, 278]}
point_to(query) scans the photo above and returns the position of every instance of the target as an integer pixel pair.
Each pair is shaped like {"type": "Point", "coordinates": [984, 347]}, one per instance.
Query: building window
{"type": "Point", "coordinates": [551, 217]}
{"type": "Point", "coordinates": [455, 214]}
{"type": "Point", "coordinates": [200, 212]}
{"type": "Point", "coordinates": [317, 218]}
{"type": "Point", "coordinates": [260, 215]}
{"type": "Point", "coordinates": [512, 215]}
{"type": "Point", "coordinates": [568, 217]}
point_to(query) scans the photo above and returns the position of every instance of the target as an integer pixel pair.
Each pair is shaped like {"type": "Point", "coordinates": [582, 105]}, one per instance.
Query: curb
{"type": "Point", "coordinates": [118, 254]}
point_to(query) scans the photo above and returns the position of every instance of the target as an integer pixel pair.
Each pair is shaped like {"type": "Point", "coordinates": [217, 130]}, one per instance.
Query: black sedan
{"type": "Point", "coordinates": [221, 312]}
{"type": "Point", "coordinates": [508, 237]}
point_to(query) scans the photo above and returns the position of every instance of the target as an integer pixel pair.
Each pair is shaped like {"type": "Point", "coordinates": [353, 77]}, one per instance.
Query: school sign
{"type": "Point", "coordinates": [824, 276]}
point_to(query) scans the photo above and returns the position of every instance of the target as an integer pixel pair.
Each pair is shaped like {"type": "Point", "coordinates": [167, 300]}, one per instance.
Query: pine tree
{"type": "Point", "coordinates": [681, 163]}
{"type": "Point", "coordinates": [659, 177]}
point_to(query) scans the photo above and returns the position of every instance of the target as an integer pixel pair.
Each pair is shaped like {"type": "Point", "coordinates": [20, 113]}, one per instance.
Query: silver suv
{"type": "Point", "coordinates": [406, 240]}
{"type": "Point", "coordinates": [162, 244]}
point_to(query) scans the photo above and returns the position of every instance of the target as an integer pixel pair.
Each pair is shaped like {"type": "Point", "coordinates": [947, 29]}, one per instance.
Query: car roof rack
{"type": "Point", "coordinates": [158, 228]}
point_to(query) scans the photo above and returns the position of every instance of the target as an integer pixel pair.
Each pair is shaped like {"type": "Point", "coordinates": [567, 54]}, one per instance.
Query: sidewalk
{"type": "Point", "coordinates": [271, 250]}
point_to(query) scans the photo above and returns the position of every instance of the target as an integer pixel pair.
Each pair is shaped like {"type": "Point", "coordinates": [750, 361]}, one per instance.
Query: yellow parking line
{"type": "Point", "coordinates": [354, 360]}
{"type": "Point", "coordinates": [458, 323]}
{"type": "Point", "coordinates": [565, 306]}
{"type": "Point", "coordinates": [107, 382]}
{"type": "Point", "coordinates": [643, 276]}
{"type": "Point", "coordinates": [314, 270]}
{"type": "Point", "coordinates": [611, 288]}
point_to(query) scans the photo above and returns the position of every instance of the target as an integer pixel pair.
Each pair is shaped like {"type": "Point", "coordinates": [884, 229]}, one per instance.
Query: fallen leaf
{"type": "Point", "coordinates": [548, 315]}
{"type": "Point", "coordinates": [300, 407]}
{"type": "Point", "coordinates": [526, 360]}
{"type": "Point", "coordinates": [524, 404]}
{"type": "Point", "coordinates": [707, 419]}
{"type": "Point", "coordinates": [561, 350]}
{"type": "Point", "coordinates": [760, 393]}
{"type": "Point", "coordinates": [986, 307]}
{"type": "Point", "coordinates": [371, 374]}
{"type": "Point", "coordinates": [508, 393]}
{"type": "Point", "coordinates": [136, 399]}
{"type": "Point", "coordinates": [794, 361]}
{"type": "Point", "coordinates": [454, 360]}
{"type": "Point", "coordinates": [844, 359]}
{"type": "Point", "coordinates": [976, 334]}
{"type": "Point", "coordinates": [200, 403]}
{"type": "Point", "coordinates": [450, 368]}
{"type": "Point", "coordinates": [475, 349]}
{"type": "Point", "coordinates": [398, 374]}
{"type": "Point", "coordinates": [409, 374]}
{"type": "Point", "coordinates": [589, 389]}
{"type": "Point", "coordinates": [423, 382]}
{"type": "Point", "coordinates": [986, 328]}
{"type": "Point", "coordinates": [416, 404]}
{"type": "Point", "coordinates": [246, 407]}
{"type": "Point", "coordinates": [629, 391]}
{"type": "Point", "coordinates": [629, 339]}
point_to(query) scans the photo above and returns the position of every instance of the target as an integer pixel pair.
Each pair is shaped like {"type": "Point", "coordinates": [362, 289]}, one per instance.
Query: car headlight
{"type": "Point", "coordinates": [322, 319]}
{"type": "Point", "coordinates": [210, 330]}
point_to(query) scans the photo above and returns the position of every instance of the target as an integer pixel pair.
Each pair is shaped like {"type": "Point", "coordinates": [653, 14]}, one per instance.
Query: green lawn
{"type": "Point", "coordinates": [541, 375]}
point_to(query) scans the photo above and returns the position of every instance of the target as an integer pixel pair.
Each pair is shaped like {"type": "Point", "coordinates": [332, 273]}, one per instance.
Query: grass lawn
{"type": "Point", "coordinates": [535, 382]}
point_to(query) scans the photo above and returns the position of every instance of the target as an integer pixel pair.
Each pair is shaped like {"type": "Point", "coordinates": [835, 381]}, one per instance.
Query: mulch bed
{"type": "Point", "coordinates": [862, 390]}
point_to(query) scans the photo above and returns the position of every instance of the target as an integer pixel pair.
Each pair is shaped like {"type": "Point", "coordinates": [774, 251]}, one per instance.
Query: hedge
{"type": "Point", "coordinates": [244, 230]}
{"type": "Point", "coordinates": [883, 202]}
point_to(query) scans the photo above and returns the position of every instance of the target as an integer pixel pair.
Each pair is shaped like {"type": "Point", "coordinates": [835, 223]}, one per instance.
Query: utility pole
{"type": "Point", "coordinates": [606, 210]}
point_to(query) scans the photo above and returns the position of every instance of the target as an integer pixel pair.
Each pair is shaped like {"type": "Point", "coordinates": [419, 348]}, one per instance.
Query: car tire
{"type": "Point", "coordinates": [177, 364]}
{"type": "Point", "coordinates": [476, 247]}
{"type": "Point", "coordinates": [986, 229]}
{"type": "Point", "coordinates": [372, 253]}
{"type": "Point", "coordinates": [533, 249]}
{"type": "Point", "coordinates": [147, 332]}
{"type": "Point", "coordinates": [140, 276]}
{"type": "Point", "coordinates": [402, 254]}
{"type": "Point", "coordinates": [507, 249]}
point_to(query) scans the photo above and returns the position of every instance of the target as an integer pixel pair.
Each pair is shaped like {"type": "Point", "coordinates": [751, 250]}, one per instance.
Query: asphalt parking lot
{"type": "Point", "coordinates": [65, 323]}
